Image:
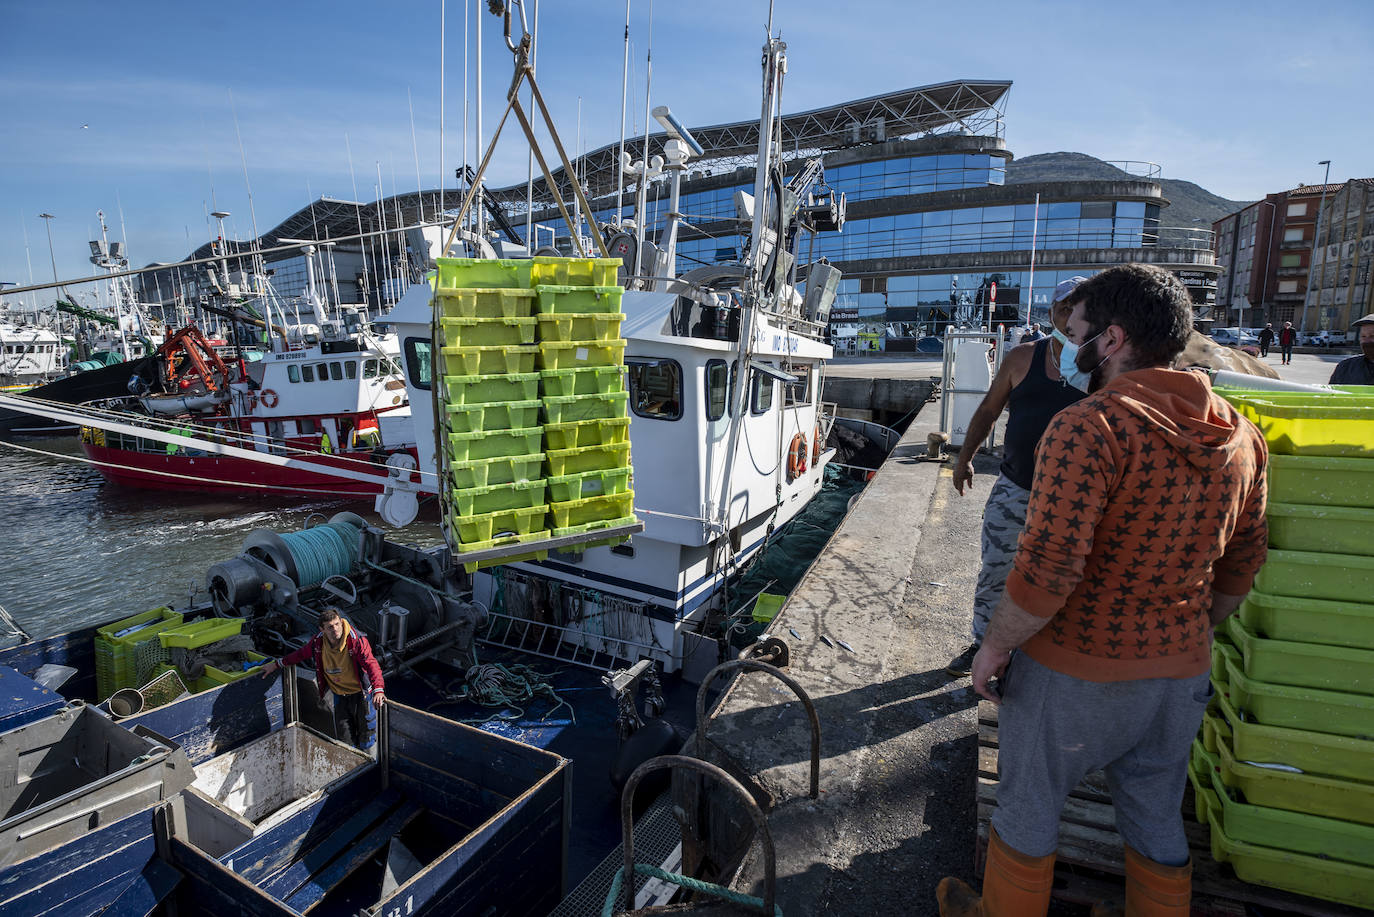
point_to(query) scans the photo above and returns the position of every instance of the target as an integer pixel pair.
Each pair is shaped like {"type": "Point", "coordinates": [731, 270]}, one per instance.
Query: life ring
{"type": "Point", "coordinates": [816, 446]}
{"type": "Point", "coordinates": [268, 398]}
{"type": "Point", "coordinates": [796, 458]}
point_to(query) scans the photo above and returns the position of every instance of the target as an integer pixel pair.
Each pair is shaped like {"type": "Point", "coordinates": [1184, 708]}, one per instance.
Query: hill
{"type": "Point", "coordinates": [1189, 204]}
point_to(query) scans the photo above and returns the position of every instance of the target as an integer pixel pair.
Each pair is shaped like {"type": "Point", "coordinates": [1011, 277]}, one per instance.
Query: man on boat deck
{"type": "Point", "coordinates": [1145, 530]}
{"type": "Point", "coordinates": [1031, 387]}
{"type": "Point", "coordinates": [345, 670]}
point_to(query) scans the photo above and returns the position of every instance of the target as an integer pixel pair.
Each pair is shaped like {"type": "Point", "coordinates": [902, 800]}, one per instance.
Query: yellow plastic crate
{"type": "Point", "coordinates": [587, 458]}
{"type": "Point", "coordinates": [1327, 529]}
{"type": "Point", "coordinates": [486, 303]}
{"type": "Point", "coordinates": [572, 408]}
{"type": "Point", "coordinates": [588, 272]}
{"type": "Point", "coordinates": [588, 528]}
{"type": "Point", "coordinates": [483, 273]}
{"type": "Point", "coordinates": [201, 633]}
{"type": "Point", "coordinates": [472, 566]}
{"type": "Point", "coordinates": [473, 361]}
{"type": "Point", "coordinates": [1315, 480]}
{"type": "Point", "coordinates": [473, 501]}
{"type": "Point", "coordinates": [1335, 425]}
{"type": "Point", "coordinates": [496, 415]}
{"type": "Point", "coordinates": [580, 326]}
{"type": "Point", "coordinates": [593, 509]}
{"type": "Point", "coordinates": [490, 388]}
{"type": "Point", "coordinates": [602, 432]}
{"type": "Point", "coordinates": [589, 380]}
{"type": "Point", "coordinates": [577, 354]}
{"type": "Point", "coordinates": [464, 447]}
{"type": "Point", "coordinates": [570, 487]}
{"type": "Point", "coordinates": [487, 332]}
{"type": "Point", "coordinates": [140, 626]}
{"type": "Point", "coordinates": [503, 469]}
{"type": "Point", "coordinates": [485, 527]}
{"type": "Point", "coordinates": [219, 676]}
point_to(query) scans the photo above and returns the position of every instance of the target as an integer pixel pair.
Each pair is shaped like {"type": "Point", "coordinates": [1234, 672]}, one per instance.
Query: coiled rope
{"type": "Point", "coordinates": [696, 885]}
{"type": "Point", "coordinates": [323, 551]}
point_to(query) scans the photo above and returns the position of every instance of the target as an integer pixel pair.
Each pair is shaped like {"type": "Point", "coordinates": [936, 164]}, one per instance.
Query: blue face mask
{"type": "Point", "coordinates": [1068, 361]}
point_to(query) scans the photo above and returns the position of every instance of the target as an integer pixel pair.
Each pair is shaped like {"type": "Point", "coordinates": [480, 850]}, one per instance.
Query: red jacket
{"type": "Point", "coordinates": [359, 650]}
{"type": "Point", "coordinates": [1288, 337]}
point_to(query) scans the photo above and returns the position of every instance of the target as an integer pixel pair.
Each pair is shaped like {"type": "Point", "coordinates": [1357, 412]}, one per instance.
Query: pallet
{"type": "Point", "coordinates": [1090, 863]}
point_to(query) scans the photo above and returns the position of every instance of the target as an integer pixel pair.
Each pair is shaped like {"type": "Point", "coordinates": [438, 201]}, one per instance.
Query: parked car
{"type": "Point", "coordinates": [1235, 337]}
{"type": "Point", "coordinates": [1323, 339]}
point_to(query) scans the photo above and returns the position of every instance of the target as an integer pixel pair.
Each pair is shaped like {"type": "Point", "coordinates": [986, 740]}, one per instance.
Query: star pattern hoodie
{"type": "Point", "coordinates": [1148, 495]}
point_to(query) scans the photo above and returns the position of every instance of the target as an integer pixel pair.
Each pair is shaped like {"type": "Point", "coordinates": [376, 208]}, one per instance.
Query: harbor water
{"type": "Point", "coordinates": [77, 550]}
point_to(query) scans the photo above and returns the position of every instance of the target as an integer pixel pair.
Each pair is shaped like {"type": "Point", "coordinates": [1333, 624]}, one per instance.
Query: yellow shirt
{"type": "Point", "coordinates": [340, 674]}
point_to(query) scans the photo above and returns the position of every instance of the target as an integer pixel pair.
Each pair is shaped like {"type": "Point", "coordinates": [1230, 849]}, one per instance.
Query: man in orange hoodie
{"type": "Point", "coordinates": [1144, 531]}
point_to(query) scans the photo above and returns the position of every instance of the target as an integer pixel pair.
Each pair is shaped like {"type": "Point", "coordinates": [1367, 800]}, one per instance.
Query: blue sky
{"type": "Point", "coordinates": [132, 106]}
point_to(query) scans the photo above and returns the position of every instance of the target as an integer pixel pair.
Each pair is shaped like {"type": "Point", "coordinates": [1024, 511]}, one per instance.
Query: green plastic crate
{"type": "Point", "coordinates": [572, 408]}
{"type": "Point", "coordinates": [580, 326]}
{"type": "Point", "coordinates": [486, 332]}
{"type": "Point", "coordinates": [496, 415]}
{"type": "Point", "coordinates": [1286, 617]}
{"type": "Point", "coordinates": [201, 633]}
{"type": "Point", "coordinates": [464, 447]}
{"type": "Point", "coordinates": [473, 501]}
{"type": "Point", "coordinates": [603, 432]}
{"type": "Point", "coordinates": [587, 272]}
{"type": "Point", "coordinates": [576, 354]}
{"type": "Point", "coordinates": [219, 676]}
{"type": "Point", "coordinates": [1310, 752]}
{"type": "Point", "coordinates": [140, 626]}
{"type": "Point", "coordinates": [491, 388]}
{"type": "Point", "coordinates": [578, 300]}
{"type": "Point", "coordinates": [589, 380]}
{"type": "Point", "coordinates": [587, 458]}
{"type": "Point", "coordinates": [1303, 665]}
{"type": "Point", "coordinates": [1308, 574]}
{"type": "Point", "coordinates": [767, 606]}
{"type": "Point", "coordinates": [483, 273]}
{"type": "Point", "coordinates": [592, 509]}
{"type": "Point", "coordinates": [568, 487]}
{"type": "Point", "coordinates": [473, 566]}
{"type": "Point", "coordinates": [486, 303]}
{"type": "Point", "coordinates": [590, 528]}
{"type": "Point", "coordinates": [1335, 712]}
{"type": "Point", "coordinates": [1329, 529]}
{"type": "Point", "coordinates": [1321, 480]}
{"type": "Point", "coordinates": [503, 469]}
{"type": "Point", "coordinates": [1335, 425]}
{"type": "Point", "coordinates": [473, 361]}
{"type": "Point", "coordinates": [485, 527]}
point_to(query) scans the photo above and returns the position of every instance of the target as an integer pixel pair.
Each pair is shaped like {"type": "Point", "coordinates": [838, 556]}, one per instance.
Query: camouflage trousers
{"type": "Point", "coordinates": [1004, 517]}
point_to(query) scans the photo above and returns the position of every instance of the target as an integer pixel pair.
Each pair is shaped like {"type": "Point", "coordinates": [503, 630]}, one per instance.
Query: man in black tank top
{"type": "Point", "coordinates": [1030, 386]}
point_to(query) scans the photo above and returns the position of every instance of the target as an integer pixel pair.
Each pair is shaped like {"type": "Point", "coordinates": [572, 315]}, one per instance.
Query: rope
{"type": "Point", "coordinates": [323, 551]}
{"type": "Point", "coordinates": [687, 882]}
{"type": "Point", "coordinates": [492, 684]}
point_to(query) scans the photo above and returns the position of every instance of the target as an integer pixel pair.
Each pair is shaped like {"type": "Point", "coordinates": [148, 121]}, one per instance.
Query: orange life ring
{"type": "Point", "coordinates": [816, 446]}
{"type": "Point", "coordinates": [268, 398]}
{"type": "Point", "coordinates": [796, 458]}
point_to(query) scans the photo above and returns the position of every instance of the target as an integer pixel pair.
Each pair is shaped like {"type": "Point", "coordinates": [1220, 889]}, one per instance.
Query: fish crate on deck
{"type": "Point", "coordinates": [571, 487]}
{"type": "Point", "coordinates": [511, 359]}
{"type": "Point", "coordinates": [587, 458]}
{"type": "Point", "coordinates": [579, 354]}
{"type": "Point", "coordinates": [128, 652]}
{"type": "Point", "coordinates": [503, 469]}
{"type": "Point", "coordinates": [486, 332]}
{"type": "Point", "coordinates": [572, 408]}
{"type": "Point", "coordinates": [601, 432]}
{"type": "Point", "coordinates": [587, 272]}
{"type": "Point", "coordinates": [465, 447]}
{"type": "Point", "coordinates": [496, 415]}
{"type": "Point", "coordinates": [460, 274]}
{"type": "Point", "coordinates": [589, 380]}
{"type": "Point", "coordinates": [472, 501]}
{"type": "Point", "coordinates": [491, 388]}
{"type": "Point", "coordinates": [580, 326]}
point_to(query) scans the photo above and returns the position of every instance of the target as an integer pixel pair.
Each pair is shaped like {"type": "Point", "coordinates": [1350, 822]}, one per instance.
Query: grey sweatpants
{"type": "Point", "coordinates": [1053, 729]}
{"type": "Point", "coordinates": [1004, 517]}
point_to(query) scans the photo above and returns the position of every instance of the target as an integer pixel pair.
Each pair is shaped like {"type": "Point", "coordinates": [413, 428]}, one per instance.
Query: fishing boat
{"type": "Point", "coordinates": [29, 355]}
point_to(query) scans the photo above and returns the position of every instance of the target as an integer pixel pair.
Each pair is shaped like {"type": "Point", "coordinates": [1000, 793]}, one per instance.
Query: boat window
{"type": "Point", "coordinates": [351, 369]}
{"type": "Point", "coordinates": [322, 372]}
{"type": "Point", "coordinates": [293, 372]}
{"type": "Point", "coordinates": [419, 362]}
{"type": "Point", "coordinates": [717, 372]}
{"type": "Point", "coordinates": [762, 395]}
{"type": "Point", "coordinates": [336, 371]}
{"type": "Point", "coordinates": [308, 373]}
{"type": "Point", "coordinates": [306, 427]}
{"type": "Point", "coordinates": [370, 369]}
{"type": "Point", "coordinates": [655, 388]}
{"type": "Point", "coordinates": [798, 392]}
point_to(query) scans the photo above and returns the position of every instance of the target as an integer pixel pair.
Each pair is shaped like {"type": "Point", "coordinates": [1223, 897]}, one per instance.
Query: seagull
{"type": "Point", "coordinates": [85, 127]}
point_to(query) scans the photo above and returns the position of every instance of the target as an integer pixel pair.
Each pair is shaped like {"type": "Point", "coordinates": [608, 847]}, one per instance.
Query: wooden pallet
{"type": "Point", "coordinates": [1091, 863]}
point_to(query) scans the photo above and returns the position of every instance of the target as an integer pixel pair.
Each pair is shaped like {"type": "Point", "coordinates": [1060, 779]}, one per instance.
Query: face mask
{"type": "Point", "coordinates": [1068, 361]}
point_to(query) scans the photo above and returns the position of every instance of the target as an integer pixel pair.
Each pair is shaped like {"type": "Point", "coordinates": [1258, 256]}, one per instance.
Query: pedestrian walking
{"type": "Point", "coordinates": [1030, 386]}
{"type": "Point", "coordinates": [1287, 338]}
{"type": "Point", "coordinates": [1266, 338]}
{"type": "Point", "coordinates": [1144, 531]}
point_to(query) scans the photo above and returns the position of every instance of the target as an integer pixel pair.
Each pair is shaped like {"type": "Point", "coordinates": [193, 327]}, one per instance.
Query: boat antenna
{"type": "Point", "coordinates": [529, 156]}
{"type": "Point", "coordinates": [479, 214]}
{"type": "Point", "coordinates": [624, 91]}
{"type": "Point", "coordinates": [466, 101]}
{"type": "Point", "coordinates": [386, 242]}
{"type": "Point", "coordinates": [258, 266]}
{"type": "Point", "coordinates": [415, 149]}
{"type": "Point", "coordinates": [642, 218]}
{"type": "Point", "coordinates": [358, 210]}
{"type": "Point", "coordinates": [28, 259]}
{"type": "Point", "coordinates": [442, 34]}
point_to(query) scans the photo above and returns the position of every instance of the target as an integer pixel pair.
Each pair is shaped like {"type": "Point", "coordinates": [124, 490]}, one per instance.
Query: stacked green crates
{"type": "Point", "coordinates": [1284, 768]}
{"type": "Point", "coordinates": [128, 652]}
{"type": "Point", "coordinates": [533, 404]}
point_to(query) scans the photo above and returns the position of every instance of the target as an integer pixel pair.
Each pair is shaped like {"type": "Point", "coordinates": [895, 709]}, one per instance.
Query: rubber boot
{"type": "Point", "coordinates": [1156, 890]}
{"type": "Point", "coordinates": [1014, 885]}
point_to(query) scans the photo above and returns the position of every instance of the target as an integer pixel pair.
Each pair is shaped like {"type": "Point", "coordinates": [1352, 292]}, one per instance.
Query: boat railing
{"type": "Point", "coordinates": [598, 652]}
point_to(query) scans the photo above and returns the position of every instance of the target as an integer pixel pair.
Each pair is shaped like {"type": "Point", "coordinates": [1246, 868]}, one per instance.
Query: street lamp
{"type": "Point", "coordinates": [1268, 254]}
{"type": "Point", "coordinates": [1316, 236]}
{"type": "Point", "coordinates": [47, 219]}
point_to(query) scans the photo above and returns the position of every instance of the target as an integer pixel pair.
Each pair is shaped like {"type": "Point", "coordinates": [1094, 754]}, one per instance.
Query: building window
{"type": "Point", "coordinates": [655, 388]}
{"type": "Point", "coordinates": [1292, 235]}
{"type": "Point", "coordinates": [1288, 286]}
{"type": "Point", "coordinates": [717, 377]}
{"type": "Point", "coordinates": [419, 362]}
{"type": "Point", "coordinates": [1290, 260]}
{"type": "Point", "coordinates": [1297, 210]}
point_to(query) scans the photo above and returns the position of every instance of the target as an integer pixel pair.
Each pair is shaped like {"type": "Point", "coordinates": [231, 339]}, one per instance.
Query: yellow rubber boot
{"type": "Point", "coordinates": [1156, 890]}
{"type": "Point", "coordinates": [1014, 885]}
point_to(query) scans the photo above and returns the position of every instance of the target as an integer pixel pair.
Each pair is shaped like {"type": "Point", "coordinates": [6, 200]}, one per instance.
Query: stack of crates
{"type": "Point", "coordinates": [532, 393]}
{"type": "Point", "coordinates": [128, 652]}
{"type": "Point", "coordinates": [1284, 768]}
